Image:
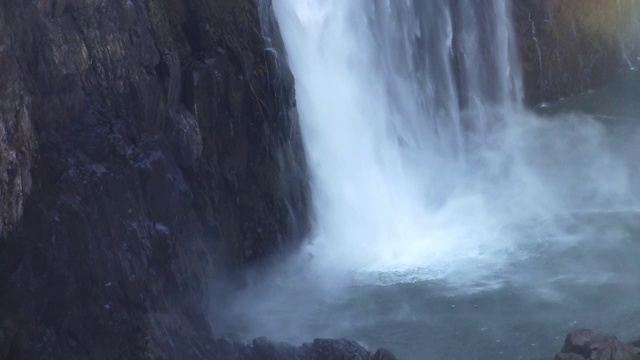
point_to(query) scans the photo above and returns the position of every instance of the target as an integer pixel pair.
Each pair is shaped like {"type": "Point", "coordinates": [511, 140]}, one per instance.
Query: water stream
{"type": "Point", "coordinates": [451, 222]}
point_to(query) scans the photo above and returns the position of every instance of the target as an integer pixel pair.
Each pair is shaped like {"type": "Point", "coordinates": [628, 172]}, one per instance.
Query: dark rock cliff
{"type": "Point", "coordinates": [569, 46]}
{"type": "Point", "coordinates": [143, 145]}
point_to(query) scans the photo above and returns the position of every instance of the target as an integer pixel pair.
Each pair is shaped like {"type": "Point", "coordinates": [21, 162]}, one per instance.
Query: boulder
{"type": "Point", "coordinates": [585, 344]}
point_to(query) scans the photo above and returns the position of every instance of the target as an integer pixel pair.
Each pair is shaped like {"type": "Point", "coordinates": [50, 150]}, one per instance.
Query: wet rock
{"type": "Point", "coordinates": [570, 46]}
{"type": "Point", "coordinates": [264, 349]}
{"type": "Point", "coordinates": [592, 345]}
{"type": "Point", "coordinates": [114, 170]}
{"type": "Point", "coordinates": [570, 356]}
{"type": "Point", "coordinates": [4, 344]}
{"type": "Point", "coordinates": [383, 354]}
{"type": "Point", "coordinates": [342, 349]}
{"type": "Point", "coordinates": [319, 349]}
{"type": "Point", "coordinates": [184, 134]}
{"type": "Point", "coordinates": [616, 351]}
{"type": "Point", "coordinates": [18, 144]}
{"type": "Point", "coordinates": [586, 341]}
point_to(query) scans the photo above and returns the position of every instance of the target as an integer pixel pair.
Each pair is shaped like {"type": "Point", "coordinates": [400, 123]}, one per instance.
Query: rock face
{"type": "Point", "coordinates": [143, 145]}
{"type": "Point", "coordinates": [319, 349]}
{"type": "Point", "coordinates": [587, 344]}
{"type": "Point", "coordinates": [569, 46]}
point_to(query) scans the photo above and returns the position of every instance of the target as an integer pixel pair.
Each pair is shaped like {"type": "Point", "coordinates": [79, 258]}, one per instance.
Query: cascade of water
{"type": "Point", "coordinates": [407, 112]}
{"type": "Point", "coordinates": [448, 217]}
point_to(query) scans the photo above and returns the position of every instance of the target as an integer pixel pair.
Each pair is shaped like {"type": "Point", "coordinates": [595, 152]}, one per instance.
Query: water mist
{"type": "Point", "coordinates": [434, 187]}
{"type": "Point", "coordinates": [420, 151]}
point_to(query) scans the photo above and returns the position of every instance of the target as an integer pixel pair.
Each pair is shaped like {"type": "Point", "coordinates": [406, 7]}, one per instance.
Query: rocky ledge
{"type": "Point", "coordinates": [587, 344]}
{"type": "Point", "coordinates": [319, 349]}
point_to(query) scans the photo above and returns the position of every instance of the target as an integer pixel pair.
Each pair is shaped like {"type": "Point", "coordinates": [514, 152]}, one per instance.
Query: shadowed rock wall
{"type": "Point", "coordinates": [569, 46]}
{"type": "Point", "coordinates": [143, 144]}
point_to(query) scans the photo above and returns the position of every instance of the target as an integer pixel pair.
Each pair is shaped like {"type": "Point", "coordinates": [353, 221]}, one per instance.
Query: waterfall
{"type": "Point", "coordinates": [449, 219]}
{"type": "Point", "coordinates": [423, 159]}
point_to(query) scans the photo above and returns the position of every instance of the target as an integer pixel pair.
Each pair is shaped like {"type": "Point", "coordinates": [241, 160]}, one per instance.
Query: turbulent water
{"type": "Point", "coordinates": [450, 222]}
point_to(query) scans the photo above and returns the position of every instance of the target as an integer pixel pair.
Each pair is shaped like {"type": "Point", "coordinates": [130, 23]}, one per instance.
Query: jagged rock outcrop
{"type": "Point", "coordinates": [143, 144]}
{"type": "Point", "coordinates": [585, 344]}
{"type": "Point", "coordinates": [569, 46]}
{"type": "Point", "coordinates": [319, 349]}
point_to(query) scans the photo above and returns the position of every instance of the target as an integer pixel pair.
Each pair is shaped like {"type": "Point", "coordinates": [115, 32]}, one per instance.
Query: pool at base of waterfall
{"type": "Point", "coordinates": [522, 311]}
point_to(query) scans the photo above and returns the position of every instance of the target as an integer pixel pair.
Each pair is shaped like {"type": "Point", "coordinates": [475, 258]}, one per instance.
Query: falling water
{"type": "Point", "coordinates": [420, 151]}
{"type": "Point", "coordinates": [448, 218]}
